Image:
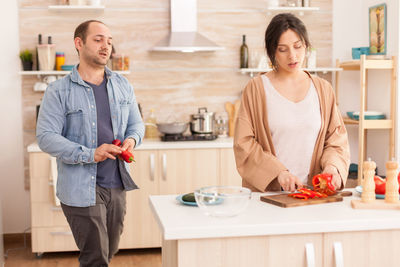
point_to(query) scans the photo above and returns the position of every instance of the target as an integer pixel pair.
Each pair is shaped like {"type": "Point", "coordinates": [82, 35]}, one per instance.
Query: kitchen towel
{"type": "Point", "coordinates": [53, 174]}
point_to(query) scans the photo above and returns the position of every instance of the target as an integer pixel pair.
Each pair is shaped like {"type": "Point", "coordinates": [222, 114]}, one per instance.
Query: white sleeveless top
{"type": "Point", "coordinates": [294, 128]}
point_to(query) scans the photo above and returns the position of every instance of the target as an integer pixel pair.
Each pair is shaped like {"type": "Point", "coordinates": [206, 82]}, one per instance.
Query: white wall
{"type": "Point", "coordinates": [14, 198]}
{"type": "Point", "coordinates": [350, 29]}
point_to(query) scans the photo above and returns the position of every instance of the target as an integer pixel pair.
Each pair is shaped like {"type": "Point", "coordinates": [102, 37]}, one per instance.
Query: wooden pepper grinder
{"type": "Point", "coordinates": [392, 185]}
{"type": "Point", "coordinates": [368, 194]}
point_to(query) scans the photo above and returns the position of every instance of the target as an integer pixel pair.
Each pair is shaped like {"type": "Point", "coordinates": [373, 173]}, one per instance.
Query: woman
{"type": "Point", "coordinates": [289, 128]}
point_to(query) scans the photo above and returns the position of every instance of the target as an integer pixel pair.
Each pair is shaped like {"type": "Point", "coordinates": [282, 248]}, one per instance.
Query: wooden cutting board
{"type": "Point", "coordinates": [284, 201]}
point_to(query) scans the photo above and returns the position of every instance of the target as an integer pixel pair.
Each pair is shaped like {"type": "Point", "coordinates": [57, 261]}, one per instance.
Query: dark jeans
{"type": "Point", "coordinates": [97, 229]}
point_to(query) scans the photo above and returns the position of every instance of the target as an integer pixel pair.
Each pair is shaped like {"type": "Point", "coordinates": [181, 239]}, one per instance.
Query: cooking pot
{"type": "Point", "coordinates": [202, 122]}
{"type": "Point", "coordinates": [172, 128]}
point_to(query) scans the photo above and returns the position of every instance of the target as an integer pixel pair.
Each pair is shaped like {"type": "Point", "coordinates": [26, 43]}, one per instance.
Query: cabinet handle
{"type": "Point", "coordinates": [338, 250]}
{"type": "Point", "coordinates": [152, 167]}
{"type": "Point", "coordinates": [164, 165]}
{"type": "Point", "coordinates": [310, 255]}
{"type": "Point", "coordinates": [61, 233]}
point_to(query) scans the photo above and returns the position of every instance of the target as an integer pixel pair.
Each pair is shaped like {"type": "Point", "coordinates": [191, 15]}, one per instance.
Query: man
{"type": "Point", "coordinates": [80, 115]}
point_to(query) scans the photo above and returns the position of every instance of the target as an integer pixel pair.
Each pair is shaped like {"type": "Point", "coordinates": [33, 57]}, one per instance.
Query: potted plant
{"type": "Point", "coordinates": [26, 59]}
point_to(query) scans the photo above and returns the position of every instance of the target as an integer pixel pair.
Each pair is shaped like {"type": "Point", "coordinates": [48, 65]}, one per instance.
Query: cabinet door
{"type": "Point", "coordinates": [228, 172]}
{"type": "Point", "coordinates": [367, 249]}
{"type": "Point", "coordinates": [184, 170]}
{"type": "Point", "coordinates": [140, 227]}
{"type": "Point", "coordinates": [293, 250]}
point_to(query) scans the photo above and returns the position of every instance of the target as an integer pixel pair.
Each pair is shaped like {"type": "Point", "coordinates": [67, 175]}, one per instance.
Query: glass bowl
{"type": "Point", "coordinates": [222, 201]}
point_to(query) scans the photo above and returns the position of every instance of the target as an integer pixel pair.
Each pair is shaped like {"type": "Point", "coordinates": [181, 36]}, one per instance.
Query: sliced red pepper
{"type": "Point", "coordinates": [299, 195]}
{"type": "Point", "coordinates": [307, 192]}
{"type": "Point", "coordinates": [323, 183]}
{"type": "Point", "coordinates": [320, 195]}
{"type": "Point", "coordinates": [127, 156]}
{"type": "Point", "coordinates": [116, 142]}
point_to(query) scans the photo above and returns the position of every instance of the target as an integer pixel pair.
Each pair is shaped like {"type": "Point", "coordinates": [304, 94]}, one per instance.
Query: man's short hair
{"type": "Point", "coordinates": [81, 30]}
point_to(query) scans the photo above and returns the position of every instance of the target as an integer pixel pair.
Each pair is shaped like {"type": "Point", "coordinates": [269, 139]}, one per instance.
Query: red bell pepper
{"type": "Point", "coordinates": [311, 193]}
{"type": "Point", "coordinates": [398, 179]}
{"type": "Point", "coordinates": [323, 183]}
{"type": "Point", "coordinates": [116, 142]}
{"type": "Point", "coordinates": [380, 185]}
{"type": "Point", "coordinates": [307, 192]}
{"type": "Point", "coordinates": [299, 195]}
{"type": "Point", "coordinates": [127, 156]}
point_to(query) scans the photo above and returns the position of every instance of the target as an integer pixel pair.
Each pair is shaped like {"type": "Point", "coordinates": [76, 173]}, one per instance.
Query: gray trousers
{"type": "Point", "coordinates": [97, 229]}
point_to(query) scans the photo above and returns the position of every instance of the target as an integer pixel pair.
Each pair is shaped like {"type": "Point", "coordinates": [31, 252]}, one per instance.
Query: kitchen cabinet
{"type": "Point", "coordinates": [161, 172]}
{"type": "Point", "coordinates": [289, 250]}
{"type": "Point", "coordinates": [228, 172]}
{"type": "Point", "coordinates": [327, 235]}
{"type": "Point", "coordinates": [364, 248]}
{"type": "Point", "coordinates": [50, 230]}
{"type": "Point", "coordinates": [364, 65]}
{"type": "Point", "coordinates": [156, 172]}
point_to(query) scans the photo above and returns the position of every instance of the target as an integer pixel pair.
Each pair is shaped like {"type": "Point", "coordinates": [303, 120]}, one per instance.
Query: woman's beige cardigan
{"type": "Point", "coordinates": [254, 150]}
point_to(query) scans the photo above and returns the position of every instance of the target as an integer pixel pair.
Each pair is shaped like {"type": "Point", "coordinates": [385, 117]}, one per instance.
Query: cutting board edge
{"type": "Point", "coordinates": [300, 202]}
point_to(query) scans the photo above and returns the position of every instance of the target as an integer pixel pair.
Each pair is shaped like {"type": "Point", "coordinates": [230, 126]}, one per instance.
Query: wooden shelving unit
{"type": "Point", "coordinates": [363, 65]}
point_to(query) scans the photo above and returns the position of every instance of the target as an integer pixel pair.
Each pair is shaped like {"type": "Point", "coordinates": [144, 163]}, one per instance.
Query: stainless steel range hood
{"type": "Point", "coordinates": [184, 36]}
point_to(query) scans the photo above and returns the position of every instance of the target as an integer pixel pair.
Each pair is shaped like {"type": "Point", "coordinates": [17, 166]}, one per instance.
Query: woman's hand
{"type": "Point", "coordinates": [288, 181]}
{"type": "Point", "coordinates": [336, 179]}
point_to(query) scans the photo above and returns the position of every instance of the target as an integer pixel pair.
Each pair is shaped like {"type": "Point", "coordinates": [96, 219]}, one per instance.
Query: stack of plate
{"type": "Point", "coordinates": [368, 115]}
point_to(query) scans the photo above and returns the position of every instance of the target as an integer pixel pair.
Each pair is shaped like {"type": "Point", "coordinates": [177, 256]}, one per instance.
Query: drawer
{"type": "Point", "coordinates": [42, 190]}
{"type": "Point", "coordinates": [47, 215]}
{"type": "Point", "coordinates": [48, 239]}
{"type": "Point", "coordinates": [39, 165]}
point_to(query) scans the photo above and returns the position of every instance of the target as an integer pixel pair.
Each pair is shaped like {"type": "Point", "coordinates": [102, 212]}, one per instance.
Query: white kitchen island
{"type": "Point", "coordinates": [331, 234]}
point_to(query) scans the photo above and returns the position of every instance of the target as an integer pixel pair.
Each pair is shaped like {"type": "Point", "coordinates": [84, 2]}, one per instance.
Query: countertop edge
{"type": "Point", "coordinates": [160, 145]}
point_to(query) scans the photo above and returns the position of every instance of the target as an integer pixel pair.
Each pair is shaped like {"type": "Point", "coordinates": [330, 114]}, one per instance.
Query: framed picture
{"type": "Point", "coordinates": [377, 30]}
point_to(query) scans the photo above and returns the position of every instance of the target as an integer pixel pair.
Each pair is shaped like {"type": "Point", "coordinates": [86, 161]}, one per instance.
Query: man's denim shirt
{"type": "Point", "coordinates": [67, 130]}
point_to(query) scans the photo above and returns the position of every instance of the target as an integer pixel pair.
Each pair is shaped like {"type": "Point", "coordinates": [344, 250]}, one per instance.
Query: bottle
{"type": "Point", "coordinates": [37, 53]}
{"type": "Point", "coordinates": [151, 126]}
{"type": "Point", "coordinates": [60, 60]}
{"type": "Point", "coordinates": [244, 54]}
{"type": "Point", "coordinates": [49, 40]}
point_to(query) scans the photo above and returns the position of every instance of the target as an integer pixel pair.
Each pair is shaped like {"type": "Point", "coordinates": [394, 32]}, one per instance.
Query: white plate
{"type": "Point", "coordinates": [359, 190]}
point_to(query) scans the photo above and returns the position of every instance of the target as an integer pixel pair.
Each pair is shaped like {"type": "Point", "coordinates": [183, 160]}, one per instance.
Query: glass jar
{"type": "Point", "coordinates": [221, 125]}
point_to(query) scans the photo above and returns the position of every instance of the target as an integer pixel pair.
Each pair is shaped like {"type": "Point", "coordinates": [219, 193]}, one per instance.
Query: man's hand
{"type": "Point", "coordinates": [129, 144]}
{"type": "Point", "coordinates": [288, 181]}
{"type": "Point", "coordinates": [336, 179]}
{"type": "Point", "coordinates": [106, 151]}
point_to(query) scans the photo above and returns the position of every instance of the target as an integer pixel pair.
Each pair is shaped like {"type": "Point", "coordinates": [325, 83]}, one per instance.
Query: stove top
{"type": "Point", "coordinates": [194, 137]}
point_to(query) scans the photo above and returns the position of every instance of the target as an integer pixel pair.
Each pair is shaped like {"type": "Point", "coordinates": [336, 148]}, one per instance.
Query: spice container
{"type": "Point", "coordinates": [120, 62]}
{"type": "Point", "coordinates": [60, 60]}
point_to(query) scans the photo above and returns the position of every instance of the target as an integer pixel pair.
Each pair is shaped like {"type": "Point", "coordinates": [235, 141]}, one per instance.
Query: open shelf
{"type": "Point", "coordinates": [371, 124]}
{"type": "Point", "coordinates": [295, 8]}
{"type": "Point", "coordinates": [251, 71]}
{"type": "Point", "coordinates": [67, 8]}
{"type": "Point", "coordinates": [368, 64]}
{"type": "Point", "coordinates": [299, 10]}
